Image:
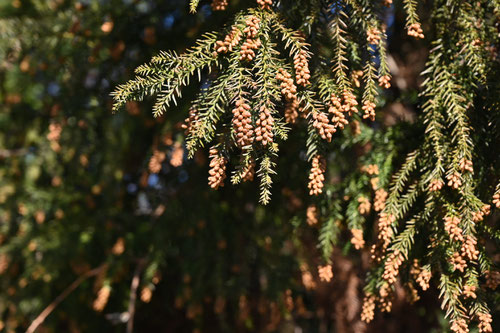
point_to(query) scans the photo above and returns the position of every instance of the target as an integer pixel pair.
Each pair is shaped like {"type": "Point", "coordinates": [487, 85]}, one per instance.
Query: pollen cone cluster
{"type": "Point", "coordinates": [289, 91]}
{"type": "Point", "coordinates": [468, 249]}
{"type": "Point", "coordinates": [364, 205]}
{"type": "Point", "coordinates": [325, 273]}
{"type": "Point", "coordinates": [54, 135]}
{"type": "Point", "coordinates": [355, 77]}
{"type": "Point", "coordinates": [435, 185]}
{"type": "Point", "coordinates": [265, 4]}
{"type": "Point", "coordinates": [357, 238]}
{"type": "Point", "coordinates": [190, 122]}
{"type": "Point", "coordinates": [338, 108]}
{"type": "Point", "coordinates": [454, 180]}
{"type": "Point", "coordinates": [368, 310]}
{"type": "Point", "coordinates": [251, 43]}
{"type": "Point", "coordinates": [264, 127]}
{"type": "Point", "coordinates": [385, 231]}
{"type": "Point", "coordinates": [338, 117]}
{"type": "Point", "coordinates": [312, 215]}
{"type": "Point", "coordinates": [459, 325]}
{"type": "Point", "coordinates": [156, 161]}
{"type": "Point", "coordinates": [373, 35]}
{"type": "Point", "coordinates": [380, 198]}
{"type": "Point", "coordinates": [301, 64]}
{"type": "Point", "coordinates": [316, 176]}
{"type": "Point", "coordinates": [369, 110]}
{"type": "Point", "coordinates": [415, 30]}
{"type": "Point", "coordinates": [484, 323]}
{"type": "Point", "coordinates": [177, 156]}
{"type": "Point", "coordinates": [242, 123]}
{"type": "Point", "coordinates": [291, 111]}
{"type": "Point", "coordinates": [496, 199]}
{"type": "Point", "coordinates": [55, 130]}
{"type": "Point", "coordinates": [217, 172]}
{"type": "Point", "coordinates": [322, 124]}
{"type": "Point", "coordinates": [492, 279]}
{"type": "Point", "coordinates": [458, 262]}
{"type": "Point", "coordinates": [421, 276]}
{"type": "Point", "coordinates": [370, 169]}
{"type": "Point", "coordinates": [102, 298]}
{"type": "Point", "coordinates": [469, 291]}
{"type": "Point", "coordinates": [385, 81]}
{"type": "Point", "coordinates": [466, 165]}
{"type": "Point", "coordinates": [249, 171]}
{"type": "Point", "coordinates": [230, 41]}
{"type": "Point", "coordinates": [451, 225]}
{"type": "Point", "coordinates": [219, 5]}
{"type": "Point", "coordinates": [391, 268]}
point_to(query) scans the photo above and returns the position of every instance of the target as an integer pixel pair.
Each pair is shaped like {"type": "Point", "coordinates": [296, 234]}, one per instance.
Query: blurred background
{"type": "Point", "coordinates": [96, 207]}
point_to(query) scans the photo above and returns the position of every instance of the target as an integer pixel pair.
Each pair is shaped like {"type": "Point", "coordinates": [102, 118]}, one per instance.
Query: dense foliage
{"type": "Point", "coordinates": [365, 169]}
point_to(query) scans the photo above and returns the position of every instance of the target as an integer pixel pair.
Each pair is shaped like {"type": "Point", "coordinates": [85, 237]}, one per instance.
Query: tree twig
{"type": "Point", "coordinates": [5, 153]}
{"type": "Point", "coordinates": [47, 311]}
{"type": "Point", "coordinates": [133, 294]}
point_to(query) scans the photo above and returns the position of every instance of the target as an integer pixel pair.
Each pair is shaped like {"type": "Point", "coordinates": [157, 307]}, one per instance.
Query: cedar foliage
{"type": "Point", "coordinates": [437, 199]}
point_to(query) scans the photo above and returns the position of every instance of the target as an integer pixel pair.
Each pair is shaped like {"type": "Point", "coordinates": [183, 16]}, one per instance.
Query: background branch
{"type": "Point", "coordinates": [48, 310]}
